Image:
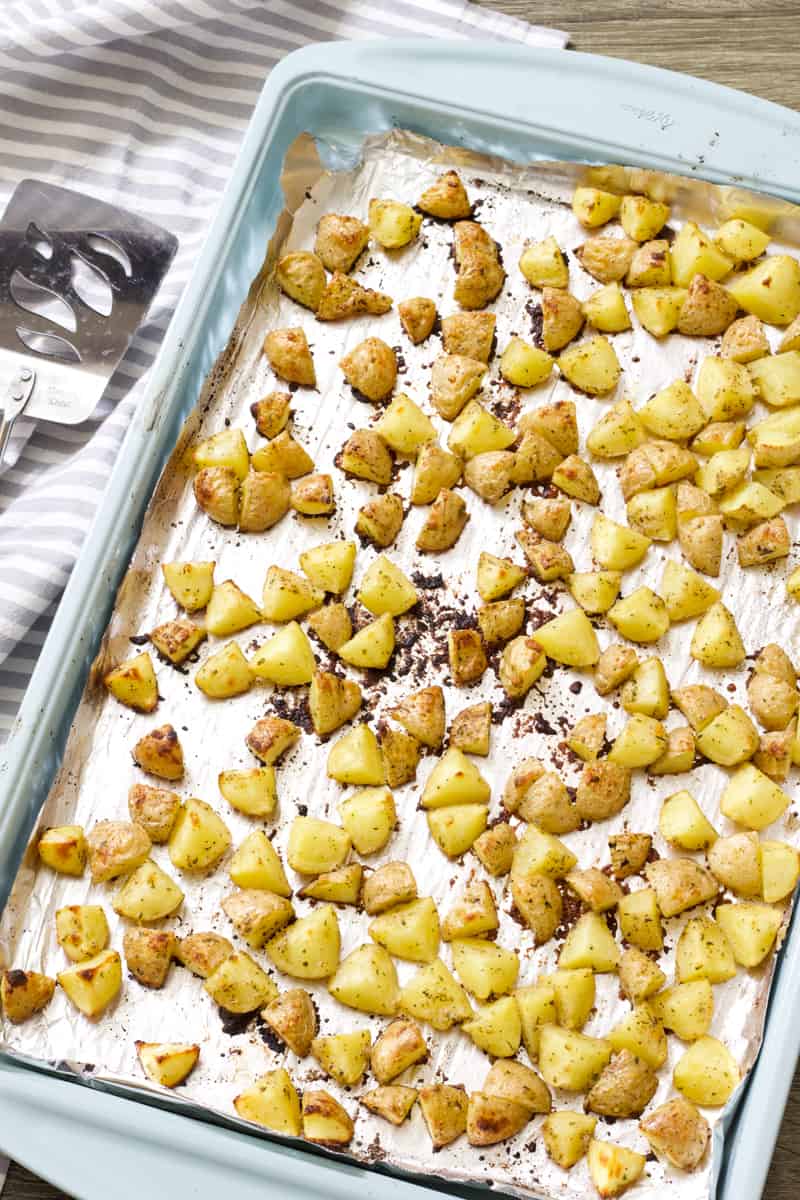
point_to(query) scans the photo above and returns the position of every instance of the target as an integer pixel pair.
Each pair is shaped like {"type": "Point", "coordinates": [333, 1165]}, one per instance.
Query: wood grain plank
{"type": "Point", "coordinates": [748, 44]}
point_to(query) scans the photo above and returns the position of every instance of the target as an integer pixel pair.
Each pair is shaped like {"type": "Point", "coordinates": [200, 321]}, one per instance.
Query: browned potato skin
{"type": "Point", "coordinates": [313, 495]}
{"type": "Point", "coordinates": [624, 1088]}
{"type": "Point", "coordinates": [519, 781]}
{"type": "Point", "coordinates": [247, 908]}
{"type": "Point", "coordinates": [607, 259]}
{"type": "Point", "coordinates": [115, 848]}
{"type": "Point", "coordinates": [202, 953]}
{"type": "Point", "coordinates": [547, 804]}
{"type": "Point", "coordinates": [629, 853]}
{"type": "Point", "coordinates": [401, 753]}
{"type": "Point", "coordinates": [148, 954]}
{"type": "Point", "coordinates": [548, 560]}
{"type": "Point", "coordinates": [539, 903]}
{"type": "Point", "coordinates": [699, 704]}
{"type": "Point", "coordinates": [776, 662]}
{"type": "Point", "coordinates": [511, 1080]}
{"type": "Point", "coordinates": [446, 198]}
{"type": "Point", "coordinates": [535, 458]}
{"type": "Point", "coordinates": [616, 664]}
{"type": "Point", "coordinates": [494, 849]}
{"type": "Point", "coordinates": [159, 753]}
{"type": "Point", "coordinates": [435, 469]}
{"type": "Point", "coordinates": [422, 714]}
{"type": "Point", "coordinates": [764, 543]}
{"type": "Point", "coordinates": [501, 619]}
{"type": "Point", "coordinates": [471, 728]}
{"type": "Point", "coordinates": [774, 754]}
{"type": "Point", "coordinates": [380, 519]}
{"type": "Point", "coordinates": [650, 265]}
{"type": "Point", "coordinates": [400, 1046]}
{"type": "Point", "coordinates": [473, 912]}
{"type": "Point", "coordinates": [418, 317]}
{"type": "Point", "coordinates": [680, 883]}
{"type": "Point", "coordinates": [469, 333]}
{"type": "Point", "coordinates": [734, 862]}
{"type": "Point", "coordinates": [290, 357]}
{"type": "Point", "coordinates": [557, 422]}
{"type": "Point", "coordinates": [549, 516]}
{"type": "Point", "coordinates": [678, 1133]}
{"type": "Point", "coordinates": [340, 240]}
{"type": "Point", "coordinates": [24, 993]}
{"type": "Point", "coordinates": [594, 888]}
{"type": "Point", "coordinates": [366, 456]}
{"type": "Point", "coordinates": [562, 318]}
{"type": "Point", "coordinates": [467, 656]}
{"type": "Point", "coordinates": [371, 369]}
{"type": "Point", "coordinates": [294, 1019]}
{"type": "Point", "coordinates": [745, 340]}
{"type": "Point", "coordinates": [332, 625]}
{"type": "Point", "coordinates": [271, 737]}
{"type": "Point", "coordinates": [319, 1103]}
{"type": "Point", "coordinates": [604, 789]}
{"type": "Point", "coordinates": [480, 275]}
{"type": "Point", "coordinates": [708, 309]}
{"type": "Point", "coordinates": [301, 276]}
{"type": "Point", "coordinates": [216, 490]}
{"type": "Point", "coordinates": [155, 809]}
{"type": "Point", "coordinates": [701, 540]}
{"type": "Point", "coordinates": [773, 701]}
{"type": "Point", "coordinates": [271, 413]}
{"type": "Point", "coordinates": [390, 885]}
{"type": "Point", "coordinates": [489, 475]}
{"type": "Point", "coordinates": [576, 478]}
{"type": "Point", "coordinates": [445, 1111]}
{"type": "Point", "coordinates": [393, 1102]}
{"type": "Point", "coordinates": [444, 523]}
{"type": "Point", "coordinates": [455, 378]}
{"type": "Point", "coordinates": [265, 497]}
{"type": "Point", "coordinates": [332, 701]}
{"type": "Point", "coordinates": [344, 297]}
{"type": "Point", "coordinates": [492, 1119]}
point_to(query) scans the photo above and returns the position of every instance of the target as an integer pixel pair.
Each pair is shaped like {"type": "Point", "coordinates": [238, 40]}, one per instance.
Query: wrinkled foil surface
{"type": "Point", "coordinates": [515, 204]}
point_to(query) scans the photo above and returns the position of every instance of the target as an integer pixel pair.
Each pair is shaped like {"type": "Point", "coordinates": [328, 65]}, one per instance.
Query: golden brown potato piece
{"type": "Point", "coordinates": [678, 1133]}
{"type": "Point", "coordinates": [265, 497]}
{"type": "Point", "coordinates": [393, 1102]}
{"type": "Point", "coordinates": [548, 515]}
{"type": "Point", "coordinates": [604, 789]}
{"type": "Point", "coordinates": [155, 809]}
{"type": "Point", "coordinates": [548, 560]}
{"type": "Point", "coordinates": [366, 455]}
{"type": "Point", "coordinates": [401, 753]}
{"type": "Point", "coordinates": [418, 317]}
{"type": "Point", "coordinates": [501, 620]}
{"type": "Point", "coordinates": [202, 953]}
{"type": "Point", "coordinates": [148, 954]}
{"type": "Point", "coordinates": [455, 378]}
{"type": "Point", "coordinates": [24, 993]}
{"type": "Point", "coordinates": [116, 848]}
{"type": "Point", "coordinates": [271, 413]}
{"type": "Point", "coordinates": [301, 276]}
{"type": "Point", "coordinates": [471, 728]}
{"type": "Point", "coordinates": [312, 496]}
{"type": "Point", "coordinates": [446, 198]}
{"type": "Point", "coordinates": [679, 884]}
{"type": "Point", "coordinates": [490, 474]}
{"type": "Point", "coordinates": [764, 543]}
{"type": "Point", "coordinates": [467, 656]}
{"type": "Point", "coordinates": [343, 297]}
{"type": "Point", "coordinates": [293, 1017]}
{"type": "Point", "coordinates": [325, 1121]}
{"type": "Point", "coordinates": [160, 753]}
{"type": "Point", "coordinates": [562, 318]}
{"type": "Point", "coordinates": [707, 310]}
{"type": "Point", "coordinates": [271, 737]}
{"type": "Point", "coordinates": [340, 240]}
{"type": "Point", "coordinates": [380, 519]}
{"type": "Point", "coordinates": [629, 853]}
{"type": "Point", "coordinates": [470, 334]}
{"type": "Point", "coordinates": [606, 258]}
{"type": "Point", "coordinates": [494, 849]}
{"type": "Point", "coordinates": [445, 1111]}
{"type": "Point", "coordinates": [176, 640]}
{"type": "Point", "coordinates": [480, 274]}
{"type": "Point", "coordinates": [400, 1046]}
{"type": "Point", "coordinates": [615, 665]}
{"type": "Point", "coordinates": [422, 714]}
{"type": "Point", "coordinates": [216, 490]}
{"type": "Point", "coordinates": [434, 469]}
{"type": "Point", "coordinates": [444, 523]}
{"type": "Point", "coordinates": [624, 1088]}
{"type": "Point", "coordinates": [492, 1119]}
{"type": "Point", "coordinates": [371, 369]}
{"type": "Point", "coordinates": [390, 885]}
{"type": "Point", "coordinates": [745, 340]}
{"type": "Point", "coordinates": [290, 357]}
{"type": "Point", "coordinates": [539, 903]}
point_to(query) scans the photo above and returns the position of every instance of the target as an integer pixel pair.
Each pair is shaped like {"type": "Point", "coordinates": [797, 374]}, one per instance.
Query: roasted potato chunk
{"type": "Point", "coordinates": [418, 317]}
{"type": "Point", "coordinates": [24, 993]}
{"type": "Point", "coordinates": [148, 955]}
{"type": "Point", "coordinates": [371, 369]}
{"type": "Point", "coordinates": [290, 358]}
{"type": "Point", "coordinates": [444, 1109]}
{"type": "Point", "coordinates": [340, 240]}
{"type": "Point", "coordinates": [678, 1133]}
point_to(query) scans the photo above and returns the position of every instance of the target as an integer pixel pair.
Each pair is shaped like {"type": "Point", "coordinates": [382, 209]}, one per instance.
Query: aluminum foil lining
{"type": "Point", "coordinates": [515, 204]}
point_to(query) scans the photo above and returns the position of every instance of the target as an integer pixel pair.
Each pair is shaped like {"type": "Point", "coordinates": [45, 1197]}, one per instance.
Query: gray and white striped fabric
{"type": "Point", "coordinates": [141, 103]}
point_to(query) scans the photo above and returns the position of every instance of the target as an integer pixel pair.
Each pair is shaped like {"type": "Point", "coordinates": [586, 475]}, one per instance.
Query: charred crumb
{"type": "Point", "coordinates": [293, 709]}
{"type": "Point", "coordinates": [427, 582]}
{"type": "Point", "coordinates": [536, 315]}
{"type": "Point", "coordinates": [235, 1023]}
{"type": "Point", "coordinates": [269, 1036]}
{"type": "Point", "coordinates": [139, 639]}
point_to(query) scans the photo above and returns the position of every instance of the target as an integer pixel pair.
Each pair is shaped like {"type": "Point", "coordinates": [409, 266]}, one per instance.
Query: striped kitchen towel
{"type": "Point", "coordinates": [142, 103]}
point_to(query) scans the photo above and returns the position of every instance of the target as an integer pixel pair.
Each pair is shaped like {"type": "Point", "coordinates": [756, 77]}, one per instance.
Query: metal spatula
{"type": "Point", "coordinates": [76, 279]}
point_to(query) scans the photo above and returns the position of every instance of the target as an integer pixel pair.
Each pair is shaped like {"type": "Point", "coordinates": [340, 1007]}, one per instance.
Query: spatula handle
{"type": "Point", "coordinates": [6, 425]}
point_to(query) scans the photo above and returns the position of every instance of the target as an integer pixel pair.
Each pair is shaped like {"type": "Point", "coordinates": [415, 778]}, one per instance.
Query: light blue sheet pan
{"type": "Point", "coordinates": [515, 102]}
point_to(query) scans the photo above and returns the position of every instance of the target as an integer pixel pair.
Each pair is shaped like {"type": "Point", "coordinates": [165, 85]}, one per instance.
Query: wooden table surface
{"type": "Point", "coordinates": [749, 44]}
